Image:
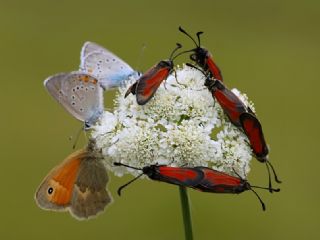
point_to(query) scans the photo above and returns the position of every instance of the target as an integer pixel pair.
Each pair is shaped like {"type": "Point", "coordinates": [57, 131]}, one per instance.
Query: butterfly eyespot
{"type": "Point", "coordinates": [60, 92]}
{"type": "Point", "coordinates": [50, 190]}
{"type": "Point", "coordinates": [73, 89]}
{"type": "Point", "coordinates": [107, 60]}
{"type": "Point", "coordinates": [78, 88]}
{"type": "Point", "coordinates": [81, 109]}
{"type": "Point", "coordinates": [87, 89]}
{"type": "Point", "coordinates": [92, 88]}
{"type": "Point", "coordinates": [82, 87]}
{"type": "Point", "coordinates": [73, 96]}
{"type": "Point", "coordinates": [114, 60]}
{"type": "Point", "coordinates": [73, 103]}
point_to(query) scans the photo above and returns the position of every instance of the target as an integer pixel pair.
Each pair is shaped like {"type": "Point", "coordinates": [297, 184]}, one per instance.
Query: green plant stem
{"type": "Point", "coordinates": [186, 213]}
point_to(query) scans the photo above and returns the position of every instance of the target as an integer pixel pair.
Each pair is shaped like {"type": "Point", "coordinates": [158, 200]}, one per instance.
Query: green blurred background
{"type": "Point", "coordinates": [268, 49]}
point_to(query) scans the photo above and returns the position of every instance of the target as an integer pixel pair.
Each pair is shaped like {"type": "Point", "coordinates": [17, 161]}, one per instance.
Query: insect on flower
{"type": "Point", "coordinates": [146, 86]}
{"type": "Point", "coordinates": [200, 178]}
{"type": "Point", "coordinates": [219, 182]}
{"type": "Point", "coordinates": [203, 57]}
{"type": "Point", "coordinates": [242, 117]}
{"type": "Point", "coordinates": [253, 129]}
{"type": "Point", "coordinates": [78, 184]}
{"type": "Point", "coordinates": [79, 93]}
{"type": "Point", "coordinates": [187, 177]}
{"type": "Point", "coordinates": [231, 104]}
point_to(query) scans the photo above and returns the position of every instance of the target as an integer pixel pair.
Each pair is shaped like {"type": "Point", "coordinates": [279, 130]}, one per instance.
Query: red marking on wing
{"type": "Point", "coordinates": [219, 178]}
{"type": "Point", "coordinates": [181, 174]}
{"type": "Point", "coordinates": [253, 130]}
{"type": "Point", "coordinates": [231, 104]}
{"type": "Point", "coordinates": [214, 69]}
{"type": "Point", "coordinates": [150, 82]}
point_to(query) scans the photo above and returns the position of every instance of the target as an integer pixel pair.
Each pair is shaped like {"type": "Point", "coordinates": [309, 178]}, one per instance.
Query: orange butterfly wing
{"type": "Point", "coordinates": [55, 192]}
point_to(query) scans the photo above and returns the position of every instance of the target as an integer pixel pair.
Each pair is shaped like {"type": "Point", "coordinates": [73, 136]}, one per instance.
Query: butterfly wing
{"type": "Point", "coordinates": [78, 185]}
{"type": "Point", "coordinates": [55, 192]}
{"type": "Point", "coordinates": [253, 129]}
{"type": "Point", "coordinates": [149, 82]}
{"type": "Point", "coordinates": [90, 195]}
{"type": "Point", "coordinates": [89, 47]}
{"type": "Point", "coordinates": [79, 93]}
{"type": "Point", "coordinates": [111, 71]}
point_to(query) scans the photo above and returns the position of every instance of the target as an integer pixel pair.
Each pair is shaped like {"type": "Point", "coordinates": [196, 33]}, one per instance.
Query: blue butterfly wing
{"type": "Point", "coordinates": [109, 69]}
{"type": "Point", "coordinates": [79, 93]}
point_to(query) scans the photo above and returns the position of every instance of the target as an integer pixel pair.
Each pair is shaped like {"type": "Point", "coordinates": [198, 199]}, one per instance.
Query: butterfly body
{"type": "Point", "coordinates": [78, 184]}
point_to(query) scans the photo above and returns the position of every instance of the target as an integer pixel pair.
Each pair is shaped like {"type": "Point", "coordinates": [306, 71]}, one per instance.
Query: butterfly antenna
{"type": "Point", "coordinates": [262, 203]}
{"type": "Point", "coordinates": [183, 31]}
{"type": "Point", "coordinates": [128, 183]}
{"type": "Point", "coordinates": [141, 55]}
{"type": "Point", "coordinates": [77, 138]}
{"type": "Point", "coordinates": [274, 173]}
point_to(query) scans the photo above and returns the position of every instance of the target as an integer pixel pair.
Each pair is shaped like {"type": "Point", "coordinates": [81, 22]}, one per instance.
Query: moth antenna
{"type": "Point", "coordinates": [183, 31]}
{"type": "Point", "coordinates": [266, 188]}
{"type": "Point", "coordinates": [237, 173]}
{"type": "Point", "coordinates": [193, 66]}
{"type": "Point", "coordinates": [174, 50]}
{"type": "Point", "coordinates": [269, 176]}
{"type": "Point", "coordinates": [262, 203]}
{"type": "Point", "coordinates": [274, 173]}
{"type": "Point", "coordinates": [125, 165]}
{"type": "Point", "coordinates": [125, 185]}
{"type": "Point", "coordinates": [187, 51]}
{"type": "Point", "coordinates": [198, 36]}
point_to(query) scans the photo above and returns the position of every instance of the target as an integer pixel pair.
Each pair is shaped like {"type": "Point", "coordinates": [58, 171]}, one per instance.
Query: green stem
{"type": "Point", "coordinates": [186, 213]}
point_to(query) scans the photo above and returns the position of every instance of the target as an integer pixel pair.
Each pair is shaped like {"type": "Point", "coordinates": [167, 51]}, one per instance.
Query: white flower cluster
{"type": "Point", "coordinates": [181, 125]}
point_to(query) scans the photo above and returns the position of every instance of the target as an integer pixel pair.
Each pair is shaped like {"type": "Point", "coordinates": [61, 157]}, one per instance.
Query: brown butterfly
{"type": "Point", "coordinates": [78, 184]}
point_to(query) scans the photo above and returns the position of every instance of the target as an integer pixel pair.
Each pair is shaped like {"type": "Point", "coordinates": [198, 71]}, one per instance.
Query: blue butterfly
{"type": "Point", "coordinates": [109, 69]}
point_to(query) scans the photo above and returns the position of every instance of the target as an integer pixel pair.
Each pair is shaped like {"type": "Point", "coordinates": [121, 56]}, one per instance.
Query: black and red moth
{"type": "Point", "coordinates": [230, 103]}
{"type": "Point", "coordinates": [146, 86]}
{"type": "Point", "coordinates": [244, 118]}
{"type": "Point", "coordinates": [200, 178]}
{"type": "Point", "coordinates": [203, 57]}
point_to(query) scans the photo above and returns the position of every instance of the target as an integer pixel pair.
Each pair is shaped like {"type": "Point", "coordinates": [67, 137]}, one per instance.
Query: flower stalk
{"type": "Point", "coordinates": [185, 207]}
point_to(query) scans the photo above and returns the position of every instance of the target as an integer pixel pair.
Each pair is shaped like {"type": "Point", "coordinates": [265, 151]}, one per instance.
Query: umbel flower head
{"type": "Point", "coordinates": [181, 125]}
